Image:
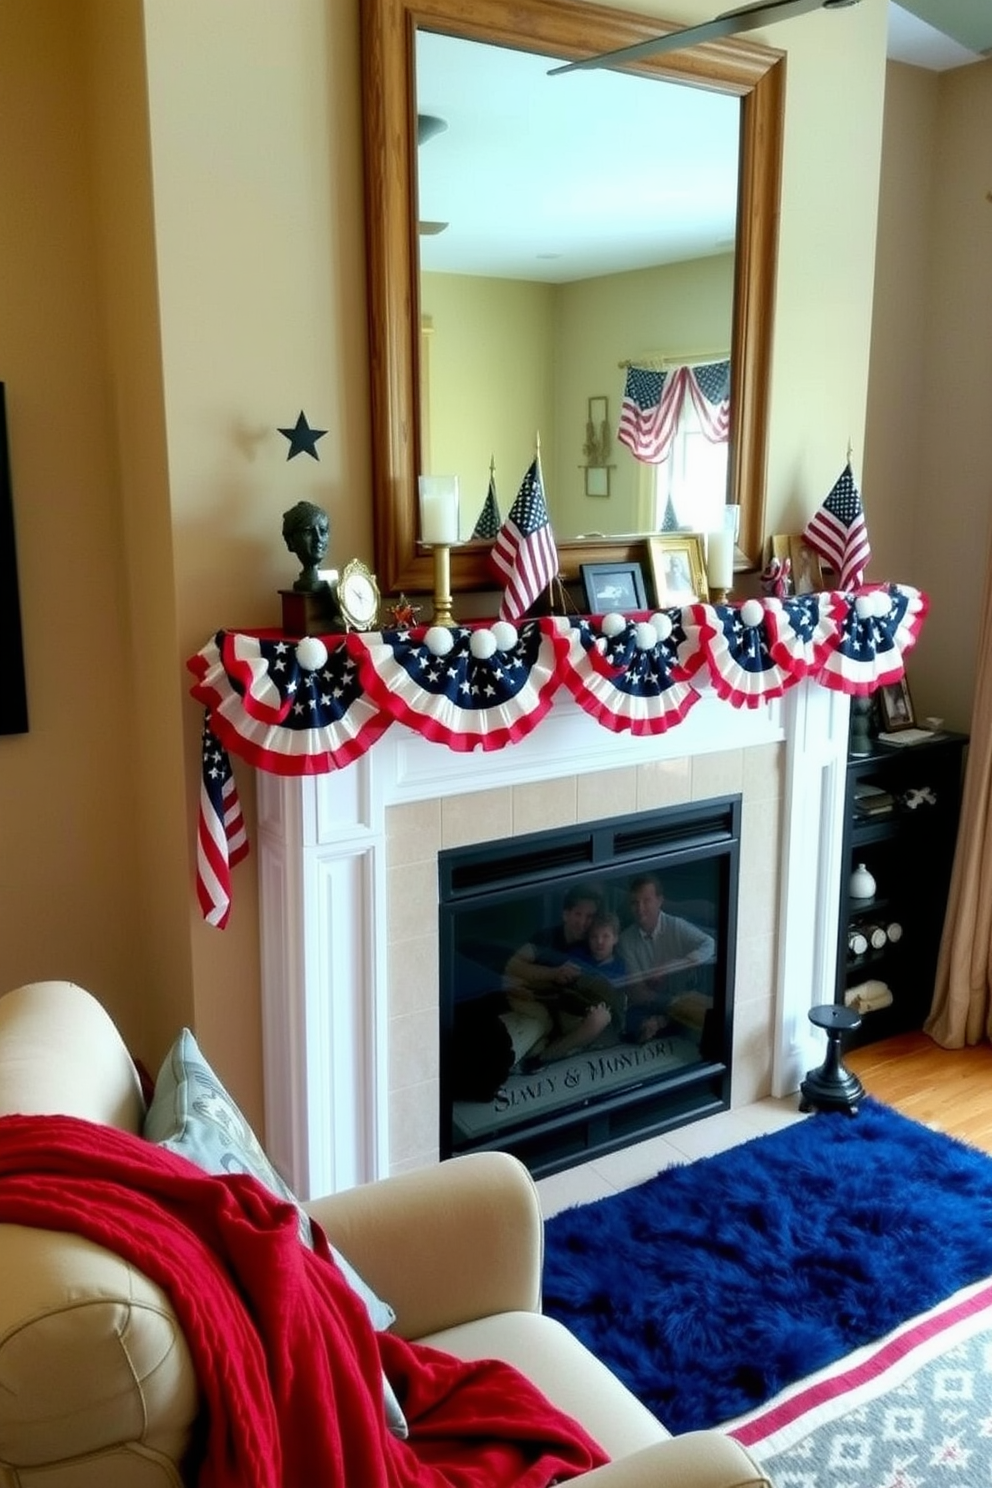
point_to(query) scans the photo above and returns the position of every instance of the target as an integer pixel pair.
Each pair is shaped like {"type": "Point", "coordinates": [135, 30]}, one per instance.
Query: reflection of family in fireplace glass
{"type": "Point", "coordinates": [582, 983]}
{"type": "Point", "coordinates": [553, 980]}
{"type": "Point", "coordinates": [659, 951]}
{"type": "Point", "coordinates": [586, 989]}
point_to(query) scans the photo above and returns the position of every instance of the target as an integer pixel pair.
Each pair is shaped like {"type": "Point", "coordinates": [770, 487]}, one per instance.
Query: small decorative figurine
{"type": "Point", "coordinates": [306, 529]}
{"type": "Point", "coordinates": [403, 613]}
{"type": "Point", "coordinates": [776, 578]}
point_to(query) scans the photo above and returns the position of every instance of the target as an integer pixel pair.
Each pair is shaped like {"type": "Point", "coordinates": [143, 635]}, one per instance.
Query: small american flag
{"type": "Point", "coordinates": [838, 532]}
{"type": "Point", "coordinates": [524, 553]}
{"type": "Point", "coordinates": [487, 526]}
{"type": "Point", "coordinates": [221, 839]}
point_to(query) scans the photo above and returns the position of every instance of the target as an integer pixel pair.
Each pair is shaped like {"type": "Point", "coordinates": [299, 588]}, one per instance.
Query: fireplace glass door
{"type": "Point", "coordinates": [587, 983]}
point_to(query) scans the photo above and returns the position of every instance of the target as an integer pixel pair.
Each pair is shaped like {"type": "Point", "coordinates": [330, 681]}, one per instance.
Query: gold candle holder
{"type": "Point", "coordinates": [442, 585]}
{"type": "Point", "coordinates": [718, 596]}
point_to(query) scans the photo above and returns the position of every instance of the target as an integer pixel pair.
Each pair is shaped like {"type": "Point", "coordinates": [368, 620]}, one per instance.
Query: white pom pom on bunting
{"type": "Point", "coordinates": [505, 635]}
{"type": "Point", "coordinates": [482, 644]}
{"type": "Point", "coordinates": [752, 612]}
{"type": "Point", "coordinates": [311, 653]}
{"type": "Point", "coordinates": [439, 640]}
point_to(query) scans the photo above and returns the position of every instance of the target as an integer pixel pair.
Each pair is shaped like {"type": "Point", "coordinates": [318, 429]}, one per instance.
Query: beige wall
{"type": "Point", "coordinates": [928, 470]}
{"type": "Point", "coordinates": [491, 383]}
{"type": "Point", "coordinates": [71, 849]}
{"type": "Point", "coordinates": [183, 272]}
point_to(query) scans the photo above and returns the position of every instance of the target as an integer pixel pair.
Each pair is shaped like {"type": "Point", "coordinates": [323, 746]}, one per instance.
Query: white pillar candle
{"type": "Point", "coordinates": [720, 559]}
{"type": "Point", "coordinates": [439, 508]}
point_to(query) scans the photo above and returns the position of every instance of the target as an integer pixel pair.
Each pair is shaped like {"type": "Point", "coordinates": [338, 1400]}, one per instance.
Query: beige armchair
{"type": "Point", "coordinates": [97, 1388]}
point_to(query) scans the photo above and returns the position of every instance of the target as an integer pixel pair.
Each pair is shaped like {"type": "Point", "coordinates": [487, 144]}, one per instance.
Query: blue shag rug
{"type": "Point", "coordinates": [715, 1284]}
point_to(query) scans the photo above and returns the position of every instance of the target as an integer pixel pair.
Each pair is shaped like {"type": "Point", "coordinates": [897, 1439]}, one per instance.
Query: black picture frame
{"type": "Point", "coordinates": [615, 587]}
{"type": "Point", "coordinates": [895, 707]}
{"type": "Point", "coordinates": [13, 688]}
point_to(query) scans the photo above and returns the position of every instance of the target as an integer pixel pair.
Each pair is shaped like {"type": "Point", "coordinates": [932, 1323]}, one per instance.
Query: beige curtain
{"type": "Point", "coordinates": [962, 1004]}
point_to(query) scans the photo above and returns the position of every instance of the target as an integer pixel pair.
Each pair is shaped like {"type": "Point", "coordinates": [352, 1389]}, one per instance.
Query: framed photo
{"type": "Point", "coordinates": [807, 576]}
{"type": "Point", "coordinates": [678, 568]}
{"type": "Point", "coordinates": [613, 586]}
{"type": "Point", "coordinates": [895, 707]}
{"type": "Point", "coordinates": [597, 480]}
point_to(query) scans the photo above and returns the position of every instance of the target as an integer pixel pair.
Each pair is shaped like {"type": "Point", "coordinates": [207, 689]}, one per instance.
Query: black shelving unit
{"type": "Point", "coordinates": [908, 847]}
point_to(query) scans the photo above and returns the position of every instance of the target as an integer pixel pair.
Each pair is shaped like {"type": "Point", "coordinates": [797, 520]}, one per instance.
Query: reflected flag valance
{"type": "Point", "coordinates": [654, 402]}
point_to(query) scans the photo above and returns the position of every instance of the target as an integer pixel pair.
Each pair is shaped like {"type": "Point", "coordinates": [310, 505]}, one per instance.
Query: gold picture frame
{"type": "Point", "coordinates": [678, 568]}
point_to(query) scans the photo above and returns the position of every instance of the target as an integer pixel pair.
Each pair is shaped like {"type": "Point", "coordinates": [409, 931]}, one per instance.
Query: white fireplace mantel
{"type": "Point", "coordinates": [323, 877]}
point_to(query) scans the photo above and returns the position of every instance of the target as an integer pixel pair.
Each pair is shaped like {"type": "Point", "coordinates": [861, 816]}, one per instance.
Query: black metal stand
{"type": "Point", "coordinates": [832, 1087]}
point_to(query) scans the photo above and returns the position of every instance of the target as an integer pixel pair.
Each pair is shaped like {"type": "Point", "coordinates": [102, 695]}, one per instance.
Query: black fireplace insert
{"type": "Point", "coordinates": [586, 997]}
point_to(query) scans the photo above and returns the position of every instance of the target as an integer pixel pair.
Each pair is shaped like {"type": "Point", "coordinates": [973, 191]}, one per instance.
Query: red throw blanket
{"type": "Point", "coordinates": [287, 1360]}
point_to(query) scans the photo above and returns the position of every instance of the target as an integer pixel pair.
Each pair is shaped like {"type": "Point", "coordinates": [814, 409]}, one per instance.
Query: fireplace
{"type": "Point", "coordinates": [348, 882]}
{"type": "Point", "coordinates": [552, 1045]}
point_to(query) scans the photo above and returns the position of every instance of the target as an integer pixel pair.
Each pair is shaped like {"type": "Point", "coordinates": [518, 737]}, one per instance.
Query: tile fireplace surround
{"type": "Point", "coordinates": [348, 878]}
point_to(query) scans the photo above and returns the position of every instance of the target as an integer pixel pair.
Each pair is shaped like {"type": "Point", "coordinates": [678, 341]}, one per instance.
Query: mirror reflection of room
{"type": "Point", "coordinates": [541, 289]}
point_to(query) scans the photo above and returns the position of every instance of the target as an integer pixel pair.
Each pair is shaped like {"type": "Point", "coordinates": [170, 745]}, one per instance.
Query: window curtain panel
{"type": "Point", "coordinates": [654, 402]}
{"type": "Point", "coordinates": [962, 1005]}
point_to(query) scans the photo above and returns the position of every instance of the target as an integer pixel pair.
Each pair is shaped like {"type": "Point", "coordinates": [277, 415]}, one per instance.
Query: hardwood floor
{"type": "Point", "coordinates": [950, 1089]}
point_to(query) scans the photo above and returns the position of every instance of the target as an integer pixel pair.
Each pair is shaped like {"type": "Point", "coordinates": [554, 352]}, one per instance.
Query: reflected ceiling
{"type": "Point", "coordinates": [558, 179]}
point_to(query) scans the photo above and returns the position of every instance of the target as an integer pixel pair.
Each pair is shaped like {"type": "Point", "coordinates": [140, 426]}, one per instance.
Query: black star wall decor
{"type": "Point", "coordinates": [303, 439]}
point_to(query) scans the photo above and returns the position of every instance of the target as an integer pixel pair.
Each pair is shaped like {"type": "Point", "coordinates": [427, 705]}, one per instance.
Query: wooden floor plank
{"type": "Point", "coordinates": [950, 1089]}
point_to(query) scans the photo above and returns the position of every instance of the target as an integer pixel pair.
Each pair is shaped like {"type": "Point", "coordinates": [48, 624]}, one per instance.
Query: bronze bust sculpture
{"type": "Point", "coordinates": [306, 529]}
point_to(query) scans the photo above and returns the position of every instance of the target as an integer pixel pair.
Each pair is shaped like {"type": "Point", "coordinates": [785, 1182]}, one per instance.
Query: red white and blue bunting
{"type": "Point", "coordinates": [289, 707]}
{"type": "Point", "coordinates": [634, 675]}
{"type": "Point", "coordinates": [306, 707]}
{"type": "Point", "coordinates": [468, 689]}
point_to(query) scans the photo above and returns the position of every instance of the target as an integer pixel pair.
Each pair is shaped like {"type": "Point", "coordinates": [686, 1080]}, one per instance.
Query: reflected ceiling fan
{"type": "Point", "coordinates": [429, 125]}
{"type": "Point", "coordinates": [730, 23]}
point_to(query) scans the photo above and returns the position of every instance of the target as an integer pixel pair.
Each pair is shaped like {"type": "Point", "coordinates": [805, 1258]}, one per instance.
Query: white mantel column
{"type": "Point", "coordinates": [322, 850]}
{"type": "Point", "coordinates": [816, 731]}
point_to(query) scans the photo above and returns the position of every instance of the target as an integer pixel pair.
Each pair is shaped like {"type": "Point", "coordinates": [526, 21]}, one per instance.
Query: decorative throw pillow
{"type": "Point", "coordinates": [192, 1114]}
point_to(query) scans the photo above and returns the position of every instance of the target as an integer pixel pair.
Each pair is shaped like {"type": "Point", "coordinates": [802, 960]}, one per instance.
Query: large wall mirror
{"type": "Point", "coordinates": [492, 329]}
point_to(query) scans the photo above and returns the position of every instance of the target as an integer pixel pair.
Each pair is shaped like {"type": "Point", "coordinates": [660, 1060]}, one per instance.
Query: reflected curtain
{"type": "Point", "coordinates": [962, 1005]}
{"type": "Point", "coordinates": [654, 401]}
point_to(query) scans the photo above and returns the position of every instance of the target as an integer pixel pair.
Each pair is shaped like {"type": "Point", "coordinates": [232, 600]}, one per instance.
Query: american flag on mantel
{"type": "Point", "coordinates": [524, 553]}
{"type": "Point", "coordinates": [221, 838]}
{"type": "Point", "coordinates": [838, 532]}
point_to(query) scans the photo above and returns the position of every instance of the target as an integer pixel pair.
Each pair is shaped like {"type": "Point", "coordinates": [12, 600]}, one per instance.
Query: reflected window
{"type": "Point", "coordinates": [690, 486]}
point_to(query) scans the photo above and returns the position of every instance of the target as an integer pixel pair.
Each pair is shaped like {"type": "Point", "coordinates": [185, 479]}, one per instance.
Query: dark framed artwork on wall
{"type": "Point", "coordinates": [13, 693]}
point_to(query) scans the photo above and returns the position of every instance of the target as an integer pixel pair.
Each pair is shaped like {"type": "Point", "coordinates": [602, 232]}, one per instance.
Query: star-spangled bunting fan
{"type": "Point", "coordinates": [487, 527]}
{"type": "Point", "coordinates": [838, 532]}
{"type": "Point", "coordinates": [221, 839]}
{"type": "Point", "coordinates": [524, 553]}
